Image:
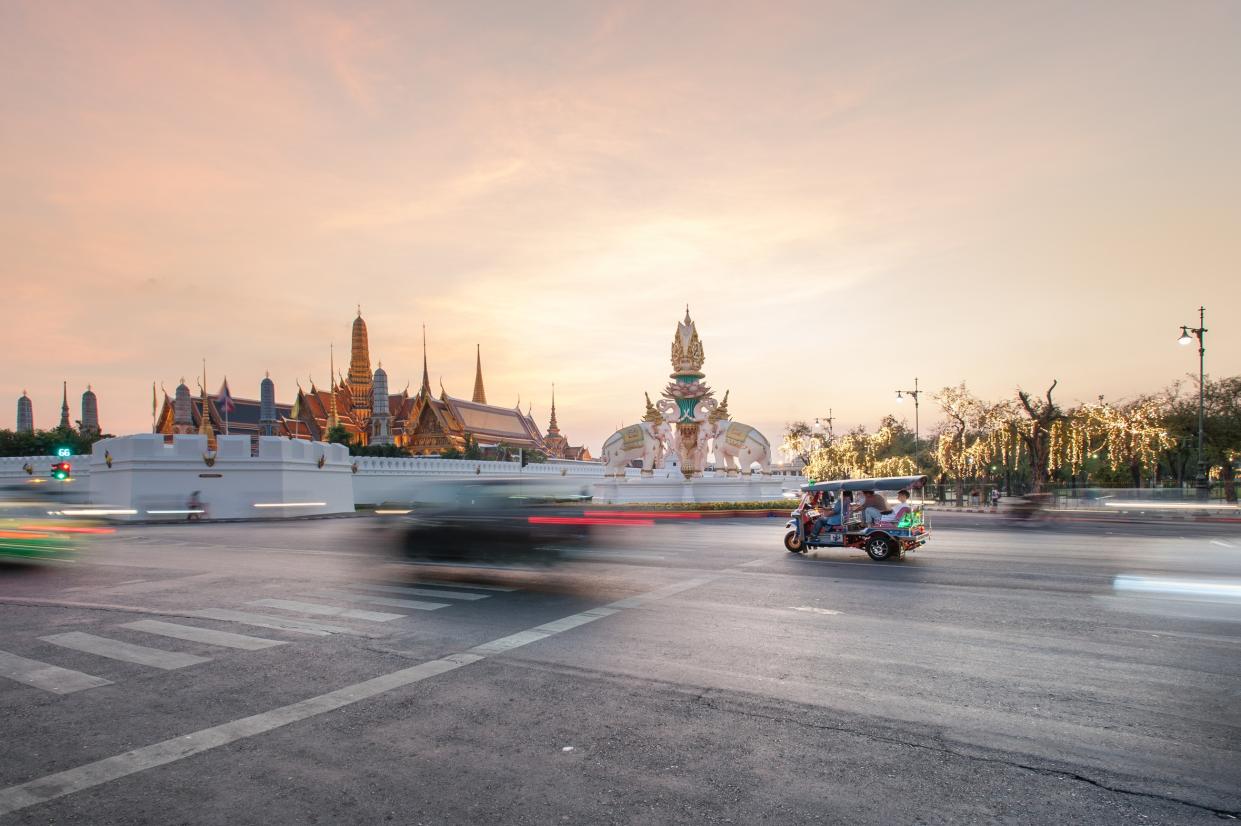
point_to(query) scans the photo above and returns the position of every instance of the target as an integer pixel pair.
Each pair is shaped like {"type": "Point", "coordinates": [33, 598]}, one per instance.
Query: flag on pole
{"type": "Point", "coordinates": [224, 400]}
{"type": "Point", "coordinates": [224, 403]}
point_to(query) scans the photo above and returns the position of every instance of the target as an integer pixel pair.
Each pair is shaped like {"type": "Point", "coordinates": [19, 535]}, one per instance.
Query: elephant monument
{"type": "Point", "coordinates": [645, 440]}
{"type": "Point", "coordinates": [738, 444]}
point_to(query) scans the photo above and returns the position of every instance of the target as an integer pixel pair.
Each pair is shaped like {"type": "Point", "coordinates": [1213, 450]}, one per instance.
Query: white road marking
{"type": "Point", "coordinates": [267, 621]}
{"type": "Point", "coordinates": [395, 602]}
{"type": "Point", "coordinates": [124, 651]}
{"type": "Point", "coordinates": [209, 636]}
{"type": "Point", "coordinates": [1222, 543]}
{"type": "Point", "coordinates": [51, 678]}
{"type": "Point", "coordinates": [103, 771]}
{"type": "Point", "coordinates": [327, 610]}
{"type": "Point", "coordinates": [811, 609]}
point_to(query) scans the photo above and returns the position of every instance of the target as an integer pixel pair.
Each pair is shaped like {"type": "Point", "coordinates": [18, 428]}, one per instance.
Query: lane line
{"type": "Point", "coordinates": [1221, 543]}
{"type": "Point", "coordinates": [51, 678]}
{"type": "Point", "coordinates": [327, 610]}
{"type": "Point", "coordinates": [124, 651]}
{"type": "Point", "coordinates": [108, 769]}
{"type": "Point", "coordinates": [267, 621]}
{"type": "Point", "coordinates": [226, 639]}
{"type": "Point", "coordinates": [417, 605]}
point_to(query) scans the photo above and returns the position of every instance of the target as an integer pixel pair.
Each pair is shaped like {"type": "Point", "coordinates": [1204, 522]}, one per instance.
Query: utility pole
{"type": "Point", "coordinates": [900, 397]}
{"type": "Point", "coordinates": [1199, 332]}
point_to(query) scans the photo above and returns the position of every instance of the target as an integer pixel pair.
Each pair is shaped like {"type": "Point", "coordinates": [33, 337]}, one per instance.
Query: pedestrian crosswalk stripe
{"type": "Point", "coordinates": [124, 651]}
{"type": "Point", "coordinates": [327, 610]}
{"type": "Point", "coordinates": [268, 621]}
{"type": "Point", "coordinates": [208, 636]}
{"type": "Point", "coordinates": [51, 678]}
{"type": "Point", "coordinates": [417, 605]}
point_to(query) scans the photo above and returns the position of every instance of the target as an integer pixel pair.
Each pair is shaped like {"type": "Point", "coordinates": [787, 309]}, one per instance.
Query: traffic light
{"type": "Point", "coordinates": [62, 471]}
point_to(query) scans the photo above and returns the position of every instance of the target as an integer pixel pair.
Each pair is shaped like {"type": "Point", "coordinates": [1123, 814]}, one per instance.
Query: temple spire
{"type": "Point", "coordinates": [64, 406]}
{"type": "Point", "coordinates": [204, 423]}
{"type": "Point", "coordinates": [480, 395]}
{"type": "Point", "coordinates": [426, 377]}
{"type": "Point", "coordinates": [333, 419]}
{"type": "Point", "coordinates": [552, 426]}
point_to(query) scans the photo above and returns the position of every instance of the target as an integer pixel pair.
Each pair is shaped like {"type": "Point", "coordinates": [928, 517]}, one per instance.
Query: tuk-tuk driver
{"type": "Point", "coordinates": [836, 516]}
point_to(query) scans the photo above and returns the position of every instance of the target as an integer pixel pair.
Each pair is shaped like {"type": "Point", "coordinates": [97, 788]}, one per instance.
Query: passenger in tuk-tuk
{"type": "Point", "coordinates": [873, 506]}
{"type": "Point", "coordinates": [834, 516]}
{"type": "Point", "coordinates": [900, 509]}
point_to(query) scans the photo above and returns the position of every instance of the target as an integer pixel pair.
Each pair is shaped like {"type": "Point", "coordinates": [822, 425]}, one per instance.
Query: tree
{"type": "Point", "coordinates": [450, 453]}
{"type": "Point", "coordinates": [472, 450]}
{"type": "Point", "coordinates": [1132, 435]}
{"type": "Point", "coordinates": [1043, 423]}
{"type": "Point", "coordinates": [1221, 445]}
{"type": "Point", "coordinates": [956, 447]}
{"type": "Point", "coordinates": [338, 435]}
{"type": "Point", "coordinates": [800, 441]}
{"type": "Point", "coordinates": [46, 442]}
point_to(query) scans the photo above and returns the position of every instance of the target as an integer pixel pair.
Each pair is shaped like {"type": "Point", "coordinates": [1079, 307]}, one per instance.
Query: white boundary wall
{"type": "Point", "coordinates": [380, 480]}
{"type": "Point", "coordinates": [288, 477]}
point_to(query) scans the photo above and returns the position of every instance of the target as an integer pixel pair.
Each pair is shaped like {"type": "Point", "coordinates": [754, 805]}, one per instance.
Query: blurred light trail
{"type": "Point", "coordinates": [1140, 505]}
{"type": "Point", "coordinates": [1179, 587]}
{"type": "Point", "coordinates": [587, 520]}
{"type": "Point", "coordinates": [65, 529]}
{"type": "Point", "coordinates": [647, 514]}
{"type": "Point", "coordinates": [290, 504]}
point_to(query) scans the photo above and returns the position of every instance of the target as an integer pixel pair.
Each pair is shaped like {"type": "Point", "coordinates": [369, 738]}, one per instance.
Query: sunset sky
{"type": "Point", "coordinates": [847, 195]}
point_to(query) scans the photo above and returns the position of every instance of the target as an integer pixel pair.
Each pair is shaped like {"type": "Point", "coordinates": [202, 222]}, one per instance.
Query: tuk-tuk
{"type": "Point", "coordinates": [828, 516]}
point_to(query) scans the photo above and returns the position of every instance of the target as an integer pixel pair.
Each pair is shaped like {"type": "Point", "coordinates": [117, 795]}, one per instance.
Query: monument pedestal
{"type": "Point", "coordinates": [613, 491]}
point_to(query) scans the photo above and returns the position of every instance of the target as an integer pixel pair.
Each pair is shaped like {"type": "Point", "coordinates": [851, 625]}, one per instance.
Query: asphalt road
{"type": "Point", "coordinates": [287, 673]}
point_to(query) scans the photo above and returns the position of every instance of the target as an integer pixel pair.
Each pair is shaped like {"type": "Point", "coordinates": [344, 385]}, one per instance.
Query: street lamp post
{"type": "Point", "coordinates": [1199, 332]}
{"type": "Point", "coordinates": [900, 397]}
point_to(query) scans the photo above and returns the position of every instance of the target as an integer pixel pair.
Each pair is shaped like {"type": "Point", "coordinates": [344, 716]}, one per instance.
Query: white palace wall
{"type": "Point", "coordinates": [380, 480]}
{"type": "Point", "coordinates": [155, 480]}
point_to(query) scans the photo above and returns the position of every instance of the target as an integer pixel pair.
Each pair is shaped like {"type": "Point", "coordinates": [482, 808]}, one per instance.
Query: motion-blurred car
{"type": "Point", "coordinates": [491, 521]}
{"type": "Point", "coordinates": [38, 523]}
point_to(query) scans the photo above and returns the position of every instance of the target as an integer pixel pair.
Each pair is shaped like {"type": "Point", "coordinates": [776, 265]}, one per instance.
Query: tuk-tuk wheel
{"type": "Point", "coordinates": [793, 543]}
{"type": "Point", "coordinates": [880, 548]}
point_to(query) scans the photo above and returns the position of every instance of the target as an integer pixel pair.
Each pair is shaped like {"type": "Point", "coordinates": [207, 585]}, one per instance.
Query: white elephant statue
{"type": "Point", "coordinates": [645, 440]}
{"type": "Point", "coordinates": [738, 446]}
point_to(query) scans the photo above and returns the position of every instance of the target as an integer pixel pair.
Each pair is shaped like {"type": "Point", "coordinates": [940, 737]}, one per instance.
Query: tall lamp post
{"type": "Point", "coordinates": [1187, 336]}
{"type": "Point", "coordinates": [900, 397]}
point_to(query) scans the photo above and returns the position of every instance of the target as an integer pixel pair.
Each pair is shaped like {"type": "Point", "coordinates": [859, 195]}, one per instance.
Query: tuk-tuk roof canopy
{"type": "Point", "coordinates": [887, 483]}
